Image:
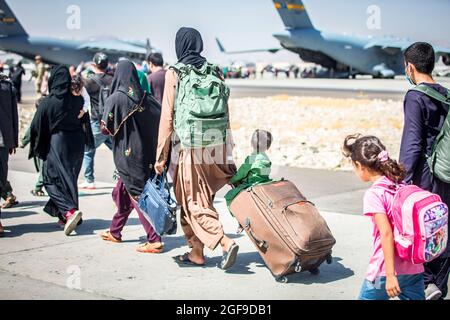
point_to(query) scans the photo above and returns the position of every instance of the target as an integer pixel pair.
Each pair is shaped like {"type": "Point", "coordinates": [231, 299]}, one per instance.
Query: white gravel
{"type": "Point", "coordinates": [309, 131]}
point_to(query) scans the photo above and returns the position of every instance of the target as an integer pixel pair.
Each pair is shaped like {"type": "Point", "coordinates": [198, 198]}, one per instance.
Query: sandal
{"type": "Point", "coordinates": [184, 261]}
{"type": "Point", "coordinates": [10, 202]}
{"type": "Point", "coordinates": [154, 247]}
{"type": "Point", "coordinates": [107, 236]}
{"type": "Point", "coordinates": [38, 193]}
{"type": "Point", "coordinates": [229, 258]}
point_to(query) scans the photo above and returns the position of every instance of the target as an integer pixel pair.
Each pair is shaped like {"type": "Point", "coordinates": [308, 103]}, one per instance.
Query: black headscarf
{"type": "Point", "coordinates": [125, 84]}
{"type": "Point", "coordinates": [188, 46]}
{"type": "Point", "coordinates": [57, 104]}
{"type": "Point", "coordinates": [126, 80]}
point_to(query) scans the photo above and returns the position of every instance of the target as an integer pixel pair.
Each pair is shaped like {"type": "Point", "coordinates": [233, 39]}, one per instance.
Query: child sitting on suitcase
{"type": "Point", "coordinates": [388, 275]}
{"type": "Point", "coordinates": [256, 167]}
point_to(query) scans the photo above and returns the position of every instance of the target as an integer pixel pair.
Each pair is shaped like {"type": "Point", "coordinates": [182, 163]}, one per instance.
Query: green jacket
{"type": "Point", "coordinates": [254, 170]}
{"type": "Point", "coordinates": [144, 82]}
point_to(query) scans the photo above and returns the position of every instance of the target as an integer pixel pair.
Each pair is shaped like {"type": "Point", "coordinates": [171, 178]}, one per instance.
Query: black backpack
{"type": "Point", "coordinates": [103, 94]}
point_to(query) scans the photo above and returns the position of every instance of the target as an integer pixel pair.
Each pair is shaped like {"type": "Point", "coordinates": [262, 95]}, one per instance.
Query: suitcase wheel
{"type": "Point", "coordinates": [315, 271]}
{"type": "Point", "coordinates": [282, 279]}
{"type": "Point", "coordinates": [329, 259]}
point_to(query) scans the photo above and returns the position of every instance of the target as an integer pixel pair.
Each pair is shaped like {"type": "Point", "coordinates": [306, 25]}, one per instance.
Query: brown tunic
{"type": "Point", "coordinates": [199, 174]}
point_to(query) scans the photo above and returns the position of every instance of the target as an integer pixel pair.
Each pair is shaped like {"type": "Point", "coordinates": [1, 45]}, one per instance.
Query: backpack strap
{"type": "Point", "coordinates": [391, 188]}
{"type": "Point", "coordinates": [431, 159]}
{"type": "Point", "coordinates": [433, 93]}
{"type": "Point", "coordinates": [180, 69]}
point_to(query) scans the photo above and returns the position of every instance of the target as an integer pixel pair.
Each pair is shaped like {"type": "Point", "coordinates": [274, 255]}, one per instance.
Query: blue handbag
{"type": "Point", "coordinates": [158, 206]}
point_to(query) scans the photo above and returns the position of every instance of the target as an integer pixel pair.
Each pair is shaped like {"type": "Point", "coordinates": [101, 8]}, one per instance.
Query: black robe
{"type": "Point", "coordinates": [132, 117]}
{"type": "Point", "coordinates": [58, 137]}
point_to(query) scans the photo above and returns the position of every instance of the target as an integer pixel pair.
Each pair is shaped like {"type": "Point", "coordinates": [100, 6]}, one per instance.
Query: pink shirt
{"type": "Point", "coordinates": [376, 200]}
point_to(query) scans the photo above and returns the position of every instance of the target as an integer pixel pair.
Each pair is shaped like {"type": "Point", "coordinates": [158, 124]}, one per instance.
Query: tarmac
{"type": "Point", "coordinates": [362, 87]}
{"type": "Point", "coordinates": [37, 261]}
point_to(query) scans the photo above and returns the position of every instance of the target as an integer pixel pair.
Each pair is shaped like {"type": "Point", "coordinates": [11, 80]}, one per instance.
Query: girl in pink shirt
{"type": "Point", "coordinates": [387, 276]}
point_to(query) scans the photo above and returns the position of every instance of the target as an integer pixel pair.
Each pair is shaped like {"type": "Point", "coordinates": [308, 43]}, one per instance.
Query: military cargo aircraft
{"type": "Point", "coordinates": [13, 38]}
{"type": "Point", "coordinates": [340, 54]}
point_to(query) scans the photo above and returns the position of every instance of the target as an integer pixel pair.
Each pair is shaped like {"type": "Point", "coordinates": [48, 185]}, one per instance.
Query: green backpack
{"type": "Point", "coordinates": [439, 160]}
{"type": "Point", "coordinates": [201, 106]}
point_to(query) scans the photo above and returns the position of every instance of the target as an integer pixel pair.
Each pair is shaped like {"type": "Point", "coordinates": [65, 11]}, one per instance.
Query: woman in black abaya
{"type": "Point", "coordinates": [58, 137]}
{"type": "Point", "coordinates": [131, 117]}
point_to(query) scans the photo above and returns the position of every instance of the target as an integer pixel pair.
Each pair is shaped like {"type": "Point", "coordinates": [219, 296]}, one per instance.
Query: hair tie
{"type": "Point", "coordinates": [383, 156]}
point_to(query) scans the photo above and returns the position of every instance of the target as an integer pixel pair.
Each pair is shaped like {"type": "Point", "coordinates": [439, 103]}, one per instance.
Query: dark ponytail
{"type": "Point", "coordinates": [367, 151]}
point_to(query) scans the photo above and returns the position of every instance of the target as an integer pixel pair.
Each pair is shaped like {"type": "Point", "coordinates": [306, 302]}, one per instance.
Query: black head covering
{"type": "Point", "coordinates": [59, 81]}
{"type": "Point", "coordinates": [126, 80]}
{"type": "Point", "coordinates": [58, 101]}
{"type": "Point", "coordinates": [188, 46]}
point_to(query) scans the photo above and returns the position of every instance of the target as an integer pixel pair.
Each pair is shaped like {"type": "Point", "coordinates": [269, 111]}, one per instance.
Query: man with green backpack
{"type": "Point", "coordinates": [425, 146]}
{"type": "Point", "coordinates": [195, 108]}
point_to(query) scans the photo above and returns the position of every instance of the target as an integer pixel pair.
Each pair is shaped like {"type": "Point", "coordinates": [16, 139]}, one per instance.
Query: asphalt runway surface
{"type": "Point", "coordinates": [360, 88]}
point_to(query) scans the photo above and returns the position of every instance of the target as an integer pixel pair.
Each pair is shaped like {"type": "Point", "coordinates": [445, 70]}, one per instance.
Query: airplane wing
{"type": "Point", "coordinates": [112, 46]}
{"type": "Point", "coordinates": [222, 49]}
{"type": "Point", "coordinates": [400, 45]}
{"type": "Point", "coordinates": [442, 51]}
{"type": "Point", "coordinates": [389, 45]}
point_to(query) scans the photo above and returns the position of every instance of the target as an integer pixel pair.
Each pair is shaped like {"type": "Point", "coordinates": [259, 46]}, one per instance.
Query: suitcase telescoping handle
{"type": "Point", "coordinates": [262, 244]}
{"type": "Point", "coordinates": [301, 202]}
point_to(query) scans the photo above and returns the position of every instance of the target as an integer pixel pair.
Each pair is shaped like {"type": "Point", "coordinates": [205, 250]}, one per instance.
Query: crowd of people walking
{"type": "Point", "coordinates": [150, 127]}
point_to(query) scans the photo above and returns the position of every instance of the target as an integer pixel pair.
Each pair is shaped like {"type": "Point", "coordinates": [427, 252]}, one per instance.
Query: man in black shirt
{"type": "Point", "coordinates": [157, 77]}
{"type": "Point", "coordinates": [96, 85]}
{"type": "Point", "coordinates": [424, 119]}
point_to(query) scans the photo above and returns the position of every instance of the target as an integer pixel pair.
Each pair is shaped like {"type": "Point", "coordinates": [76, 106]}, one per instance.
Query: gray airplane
{"type": "Point", "coordinates": [341, 54]}
{"type": "Point", "coordinates": [13, 38]}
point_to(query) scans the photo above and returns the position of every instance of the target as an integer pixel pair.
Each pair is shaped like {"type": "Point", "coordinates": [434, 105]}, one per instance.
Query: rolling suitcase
{"type": "Point", "coordinates": [286, 228]}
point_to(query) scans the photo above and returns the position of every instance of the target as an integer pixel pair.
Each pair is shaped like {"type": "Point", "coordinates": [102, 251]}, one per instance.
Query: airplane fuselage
{"type": "Point", "coordinates": [53, 51]}
{"type": "Point", "coordinates": [337, 51]}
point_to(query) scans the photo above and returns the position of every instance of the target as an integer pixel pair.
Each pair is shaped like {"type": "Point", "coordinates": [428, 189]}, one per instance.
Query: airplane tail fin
{"type": "Point", "coordinates": [221, 47]}
{"type": "Point", "coordinates": [293, 14]}
{"type": "Point", "coordinates": [9, 25]}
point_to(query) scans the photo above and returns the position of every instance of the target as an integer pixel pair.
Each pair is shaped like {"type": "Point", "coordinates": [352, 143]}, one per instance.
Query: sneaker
{"type": "Point", "coordinates": [87, 186]}
{"type": "Point", "coordinates": [73, 217]}
{"type": "Point", "coordinates": [432, 292]}
{"type": "Point", "coordinates": [10, 202]}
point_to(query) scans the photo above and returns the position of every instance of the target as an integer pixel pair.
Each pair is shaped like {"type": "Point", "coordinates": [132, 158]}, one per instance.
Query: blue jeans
{"type": "Point", "coordinates": [89, 153]}
{"type": "Point", "coordinates": [412, 288]}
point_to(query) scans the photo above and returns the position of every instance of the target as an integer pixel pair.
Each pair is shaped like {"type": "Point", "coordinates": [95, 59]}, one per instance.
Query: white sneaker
{"type": "Point", "coordinates": [432, 292]}
{"type": "Point", "coordinates": [87, 185]}
{"type": "Point", "coordinates": [72, 222]}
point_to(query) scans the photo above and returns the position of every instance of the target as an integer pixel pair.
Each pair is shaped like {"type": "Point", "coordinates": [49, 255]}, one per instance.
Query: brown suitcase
{"type": "Point", "coordinates": [286, 228]}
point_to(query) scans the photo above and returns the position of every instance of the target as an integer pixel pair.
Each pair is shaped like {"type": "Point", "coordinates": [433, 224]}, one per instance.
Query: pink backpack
{"type": "Point", "coordinates": [420, 221]}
